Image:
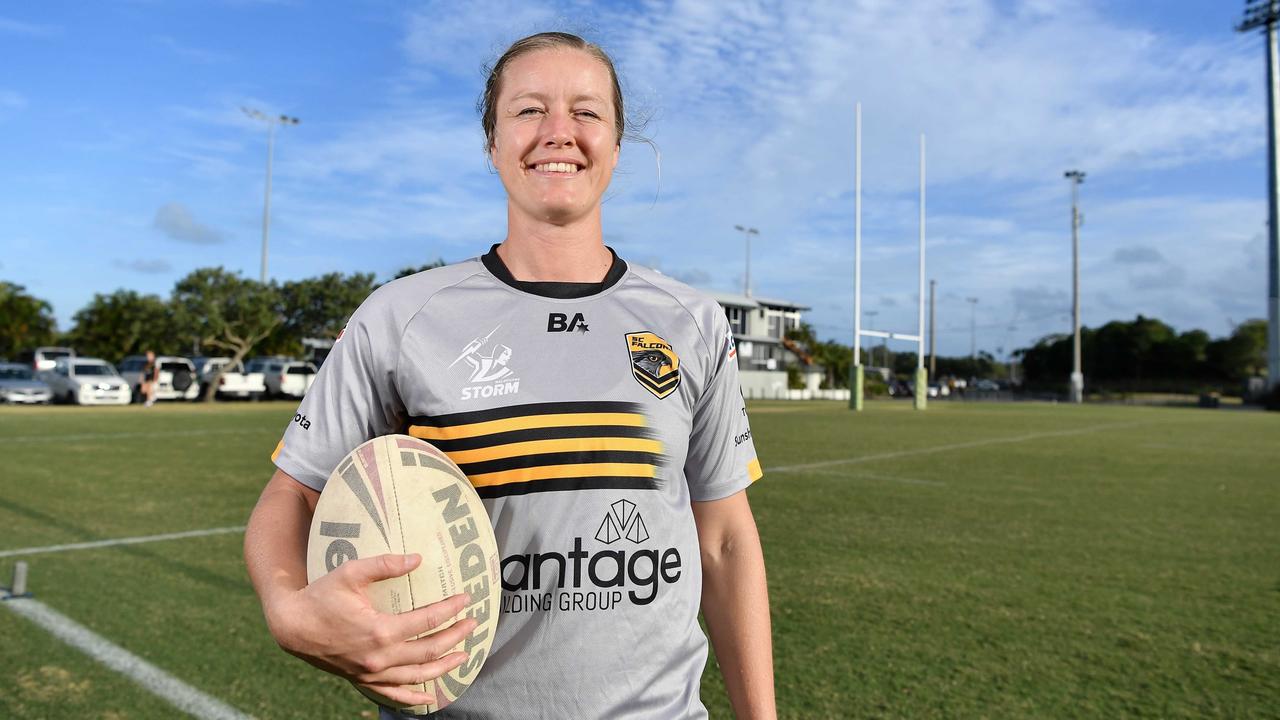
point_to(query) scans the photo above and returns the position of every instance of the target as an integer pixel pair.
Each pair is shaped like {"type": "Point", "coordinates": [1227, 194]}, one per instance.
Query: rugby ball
{"type": "Point", "coordinates": [398, 494]}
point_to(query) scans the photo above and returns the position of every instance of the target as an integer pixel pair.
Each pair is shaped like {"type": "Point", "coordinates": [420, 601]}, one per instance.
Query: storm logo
{"type": "Point", "coordinates": [654, 363]}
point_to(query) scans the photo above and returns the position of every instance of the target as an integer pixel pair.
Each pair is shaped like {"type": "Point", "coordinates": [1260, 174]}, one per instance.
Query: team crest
{"type": "Point", "coordinates": [654, 363]}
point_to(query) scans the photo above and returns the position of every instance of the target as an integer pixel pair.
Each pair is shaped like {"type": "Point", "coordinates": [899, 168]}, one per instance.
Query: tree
{"type": "Point", "coordinates": [407, 271]}
{"type": "Point", "coordinates": [317, 308]}
{"type": "Point", "coordinates": [1241, 355]}
{"type": "Point", "coordinates": [124, 323]}
{"type": "Point", "coordinates": [223, 310]}
{"type": "Point", "coordinates": [26, 321]}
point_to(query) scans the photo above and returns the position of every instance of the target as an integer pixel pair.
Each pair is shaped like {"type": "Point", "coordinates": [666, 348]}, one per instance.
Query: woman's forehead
{"type": "Point", "coordinates": [557, 71]}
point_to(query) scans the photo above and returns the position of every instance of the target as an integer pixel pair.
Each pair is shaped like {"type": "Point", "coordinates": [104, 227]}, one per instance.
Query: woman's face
{"type": "Point", "coordinates": [553, 142]}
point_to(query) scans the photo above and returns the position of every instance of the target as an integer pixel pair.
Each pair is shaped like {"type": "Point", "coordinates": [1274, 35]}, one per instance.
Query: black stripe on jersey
{"type": "Point", "coordinates": [561, 458]}
{"type": "Point", "coordinates": [526, 410]}
{"type": "Point", "coordinates": [558, 484]}
{"type": "Point", "coordinates": [549, 433]}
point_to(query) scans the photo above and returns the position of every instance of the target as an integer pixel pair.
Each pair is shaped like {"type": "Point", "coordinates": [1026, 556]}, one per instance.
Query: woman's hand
{"type": "Point", "coordinates": [331, 624]}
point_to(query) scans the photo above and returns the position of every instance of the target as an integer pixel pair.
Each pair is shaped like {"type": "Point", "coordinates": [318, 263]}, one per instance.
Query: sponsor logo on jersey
{"type": "Point", "coordinates": [548, 447]}
{"type": "Point", "coordinates": [561, 322]}
{"type": "Point", "coordinates": [654, 363]}
{"type": "Point", "coordinates": [489, 374]}
{"type": "Point", "coordinates": [593, 579]}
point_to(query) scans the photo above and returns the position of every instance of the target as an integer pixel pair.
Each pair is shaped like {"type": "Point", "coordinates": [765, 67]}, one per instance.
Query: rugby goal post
{"type": "Point", "coordinates": [857, 374]}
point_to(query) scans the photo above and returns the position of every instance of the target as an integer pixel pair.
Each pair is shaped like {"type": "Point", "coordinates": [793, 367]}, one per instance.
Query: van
{"type": "Point", "coordinates": [44, 358]}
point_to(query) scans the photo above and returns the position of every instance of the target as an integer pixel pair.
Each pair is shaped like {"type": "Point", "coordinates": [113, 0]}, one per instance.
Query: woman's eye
{"type": "Point", "coordinates": [587, 113]}
{"type": "Point", "coordinates": [530, 111]}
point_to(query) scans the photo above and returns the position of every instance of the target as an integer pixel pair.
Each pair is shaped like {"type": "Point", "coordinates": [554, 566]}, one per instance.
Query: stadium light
{"type": "Point", "coordinates": [973, 327]}
{"type": "Point", "coordinates": [1076, 394]}
{"type": "Point", "coordinates": [1263, 14]}
{"type": "Point", "coordinates": [272, 122]}
{"type": "Point", "coordinates": [746, 280]}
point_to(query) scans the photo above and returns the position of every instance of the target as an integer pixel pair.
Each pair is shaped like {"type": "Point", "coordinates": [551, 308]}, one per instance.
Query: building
{"type": "Point", "coordinates": [759, 329]}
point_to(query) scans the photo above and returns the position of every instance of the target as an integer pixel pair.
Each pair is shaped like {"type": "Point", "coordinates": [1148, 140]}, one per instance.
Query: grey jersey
{"type": "Point", "coordinates": [587, 424]}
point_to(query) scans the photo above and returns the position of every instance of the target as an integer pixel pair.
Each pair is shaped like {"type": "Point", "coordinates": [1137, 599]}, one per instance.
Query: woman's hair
{"type": "Point", "coordinates": [544, 41]}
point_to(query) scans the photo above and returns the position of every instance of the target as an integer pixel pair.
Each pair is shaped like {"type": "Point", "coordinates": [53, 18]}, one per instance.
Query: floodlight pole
{"type": "Point", "coordinates": [921, 394]}
{"type": "Point", "coordinates": [1076, 394]}
{"type": "Point", "coordinates": [271, 122]}
{"type": "Point", "coordinates": [973, 328]}
{"type": "Point", "coordinates": [856, 371]}
{"type": "Point", "coordinates": [933, 347]}
{"type": "Point", "coordinates": [746, 280]}
{"type": "Point", "coordinates": [1265, 14]}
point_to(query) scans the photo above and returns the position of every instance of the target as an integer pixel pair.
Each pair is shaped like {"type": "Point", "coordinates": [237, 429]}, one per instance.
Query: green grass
{"type": "Point", "coordinates": [973, 561]}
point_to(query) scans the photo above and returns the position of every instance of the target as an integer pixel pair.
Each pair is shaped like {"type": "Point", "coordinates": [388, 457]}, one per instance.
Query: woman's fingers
{"type": "Point", "coordinates": [415, 674]}
{"type": "Point", "coordinates": [411, 624]}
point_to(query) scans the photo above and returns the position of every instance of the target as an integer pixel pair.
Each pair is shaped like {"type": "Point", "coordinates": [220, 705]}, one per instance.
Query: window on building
{"type": "Point", "coordinates": [737, 320]}
{"type": "Point", "coordinates": [775, 325]}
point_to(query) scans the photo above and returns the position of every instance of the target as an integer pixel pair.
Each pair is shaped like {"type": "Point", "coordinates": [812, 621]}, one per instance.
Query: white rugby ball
{"type": "Point", "coordinates": [398, 494]}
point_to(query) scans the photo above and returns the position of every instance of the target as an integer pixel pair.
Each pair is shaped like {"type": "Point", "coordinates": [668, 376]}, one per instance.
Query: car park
{"type": "Point", "coordinates": [234, 382]}
{"type": "Point", "coordinates": [176, 379]}
{"type": "Point", "coordinates": [18, 385]}
{"type": "Point", "coordinates": [289, 378]}
{"type": "Point", "coordinates": [86, 381]}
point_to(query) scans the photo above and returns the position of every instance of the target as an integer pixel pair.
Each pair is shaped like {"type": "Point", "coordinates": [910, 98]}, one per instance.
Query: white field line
{"type": "Point", "coordinates": [54, 437]}
{"type": "Point", "coordinates": [885, 478]}
{"type": "Point", "coordinates": [119, 541]}
{"type": "Point", "coordinates": [169, 688]}
{"type": "Point", "coordinates": [945, 448]}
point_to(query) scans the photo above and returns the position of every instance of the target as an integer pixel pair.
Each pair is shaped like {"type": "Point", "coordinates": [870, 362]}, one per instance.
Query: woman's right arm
{"type": "Point", "coordinates": [330, 622]}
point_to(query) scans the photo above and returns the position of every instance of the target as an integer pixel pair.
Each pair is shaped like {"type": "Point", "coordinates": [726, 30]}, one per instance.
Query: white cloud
{"type": "Point", "coordinates": [176, 221]}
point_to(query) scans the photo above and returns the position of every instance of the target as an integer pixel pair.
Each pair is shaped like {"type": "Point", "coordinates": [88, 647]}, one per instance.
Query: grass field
{"type": "Point", "coordinates": [973, 561]}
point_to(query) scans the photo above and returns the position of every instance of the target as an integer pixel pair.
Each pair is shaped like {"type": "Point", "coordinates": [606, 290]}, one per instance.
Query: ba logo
{"type": "Point", "coordinates": [654, 363]}
{"type": "Point", "coordinates": [560, 322]}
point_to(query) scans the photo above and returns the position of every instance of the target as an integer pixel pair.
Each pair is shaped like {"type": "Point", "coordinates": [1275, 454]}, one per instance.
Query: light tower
{"type": "Point", "coordinates": [1264, 14]}
{"type": "Point", "coordinates": [746, 279]}
{"type": "Point", "coordinates": [1077, 374]}
{"type": "Point", "coordinates": [272, 122]}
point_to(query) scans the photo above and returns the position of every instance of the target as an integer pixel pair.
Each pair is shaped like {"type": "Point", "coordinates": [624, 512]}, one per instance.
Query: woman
{"type": "Point", "coordinates": [597, 409]}
{"type": "Point", "coordinates": [150, 373]}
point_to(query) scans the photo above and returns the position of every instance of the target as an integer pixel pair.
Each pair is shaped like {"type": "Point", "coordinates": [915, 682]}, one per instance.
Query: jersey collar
{"type": "Point", "coordinates": [557, 290]}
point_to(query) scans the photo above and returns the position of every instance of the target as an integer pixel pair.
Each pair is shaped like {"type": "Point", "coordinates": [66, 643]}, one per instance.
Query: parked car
{"type": "Point", "coordinates": [44, 358]}
{"type": "Point", "coordinates": [234, 383]}
{"type": "Point", "coordinates": [175, 381]}
{"type": "Point", "coordinates": [289, 378]}
{"type": "Point", "coordinates": [86, 381]}
{"type": "Point", "coordinates": [18, 384]}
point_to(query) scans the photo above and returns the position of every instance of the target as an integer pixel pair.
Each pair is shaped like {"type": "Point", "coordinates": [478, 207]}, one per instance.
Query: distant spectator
{"type": "Point", "coordinates": [149, 375]}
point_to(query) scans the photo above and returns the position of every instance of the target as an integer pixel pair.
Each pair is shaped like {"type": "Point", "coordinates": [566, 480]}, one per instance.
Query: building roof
{"type": "Point", "coordinates": [736, 300]}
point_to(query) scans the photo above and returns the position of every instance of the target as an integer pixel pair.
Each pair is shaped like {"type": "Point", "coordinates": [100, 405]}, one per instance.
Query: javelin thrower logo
{"type": "Point", "coordinates": [488, 362]}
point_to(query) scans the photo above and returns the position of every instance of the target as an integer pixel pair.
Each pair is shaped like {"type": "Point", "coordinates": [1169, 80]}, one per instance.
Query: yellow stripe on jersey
{"type": "Point", "coordinates": [279, 448]}
{"type": "Point", "coordinates": [753, 469]}
{"type": "Point", "coordinates": [526, 423]}
{"type": "Point", "coordinates": [549, 472]}
{"type": "Point", "coordinates": [540, 447]}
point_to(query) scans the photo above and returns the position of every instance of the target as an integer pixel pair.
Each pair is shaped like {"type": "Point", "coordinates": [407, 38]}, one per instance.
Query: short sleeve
{"type": "Point", "coordinates": [353, 398]}
{"type": "Point", "coordinates": [722, 457]}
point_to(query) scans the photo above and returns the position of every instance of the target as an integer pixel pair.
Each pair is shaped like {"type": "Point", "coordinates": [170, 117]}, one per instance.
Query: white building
{"type": "Point", "coordinates": [759, 328]}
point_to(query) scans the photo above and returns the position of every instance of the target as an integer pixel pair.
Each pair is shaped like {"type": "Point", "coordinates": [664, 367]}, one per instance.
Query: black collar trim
{"type": "Point", "coordinates": [557, 290]}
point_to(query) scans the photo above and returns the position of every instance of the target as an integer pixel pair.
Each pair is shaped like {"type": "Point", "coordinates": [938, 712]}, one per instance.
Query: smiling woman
{"type": "Point", "coordinates": [596, 408]}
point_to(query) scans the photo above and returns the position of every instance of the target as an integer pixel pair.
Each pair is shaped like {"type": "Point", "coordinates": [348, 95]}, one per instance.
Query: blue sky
{"type": "Point", "coordinates": [128, 162]}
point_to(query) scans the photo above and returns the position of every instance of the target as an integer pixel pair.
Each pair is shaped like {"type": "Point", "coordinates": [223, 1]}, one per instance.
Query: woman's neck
{"type": "Point", "coordinates": [556, 253]}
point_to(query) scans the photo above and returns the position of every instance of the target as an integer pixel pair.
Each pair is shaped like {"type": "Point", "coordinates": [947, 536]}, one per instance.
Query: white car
{"type": "Point", "coordinates": [175, 381]}
{"type": "Point", "coordinates": [19, 385]}
{"type": "Point", "coordinates": [44, 358]}
{"type": "Point", "coordinates": [289, 378]}
{"type": "Point", "coordinates": [86, 381]}
{"type": "Point", "coordinates": [235, 382]}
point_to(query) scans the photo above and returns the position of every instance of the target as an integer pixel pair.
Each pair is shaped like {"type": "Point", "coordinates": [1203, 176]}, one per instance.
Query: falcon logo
{"type": "Point", "coordinates": [622, 521]}
{"type": "Point", "coordinates": [654, 363]}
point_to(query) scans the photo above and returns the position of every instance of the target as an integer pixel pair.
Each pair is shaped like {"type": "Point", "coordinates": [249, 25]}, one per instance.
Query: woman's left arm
{"type": "Point", "coordinates": [735, 603]}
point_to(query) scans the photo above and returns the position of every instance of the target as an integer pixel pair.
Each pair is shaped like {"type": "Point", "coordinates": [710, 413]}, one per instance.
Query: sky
{"type": "Point", "coordinates": [126, 160]}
